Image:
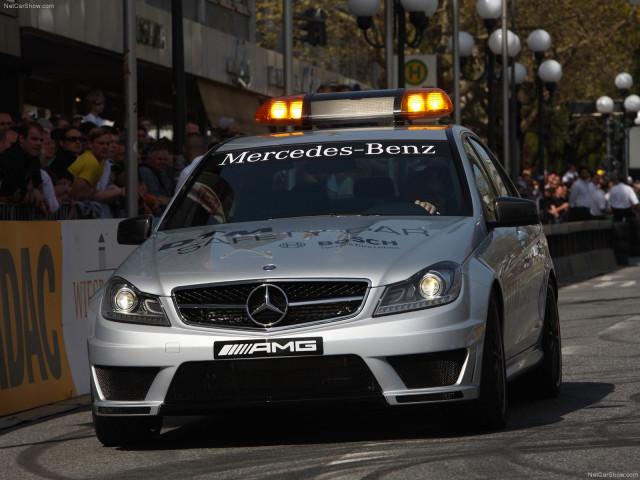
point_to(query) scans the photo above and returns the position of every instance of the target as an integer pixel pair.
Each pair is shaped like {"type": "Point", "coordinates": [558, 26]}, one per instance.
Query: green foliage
{"type": "Point", "coordinates": [593, 41]}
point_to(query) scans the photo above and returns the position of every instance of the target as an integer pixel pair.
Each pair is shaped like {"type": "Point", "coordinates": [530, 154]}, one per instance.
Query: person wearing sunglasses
{"type": "Point", "coordinates": [95, 106]}
{"type": "Point", "coordinates": [71, 145]}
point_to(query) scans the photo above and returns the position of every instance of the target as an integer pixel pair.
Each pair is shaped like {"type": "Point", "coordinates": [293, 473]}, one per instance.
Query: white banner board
{"type": "Point", "coordinates": [90, 254]}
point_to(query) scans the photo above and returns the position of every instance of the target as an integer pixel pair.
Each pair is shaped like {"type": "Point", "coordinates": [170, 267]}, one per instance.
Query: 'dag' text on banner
{"type": "Point", "coordinates": [33, 362]}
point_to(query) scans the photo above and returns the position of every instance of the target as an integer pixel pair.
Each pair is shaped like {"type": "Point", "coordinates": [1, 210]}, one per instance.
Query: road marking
{"type": "Point", "coordinates": [361, 457]}
{"type": "Point", "coordinates": [623, 325]}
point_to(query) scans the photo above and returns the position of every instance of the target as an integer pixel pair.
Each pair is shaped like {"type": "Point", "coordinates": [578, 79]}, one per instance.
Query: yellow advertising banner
{"type": "Point", "coordinates": [34, 369]}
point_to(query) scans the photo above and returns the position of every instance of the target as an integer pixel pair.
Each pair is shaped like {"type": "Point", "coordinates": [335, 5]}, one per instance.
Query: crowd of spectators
{"type": "Point", "coordinates": [79, 163]}
{"type": "Point", "coordinates": [579, 195]}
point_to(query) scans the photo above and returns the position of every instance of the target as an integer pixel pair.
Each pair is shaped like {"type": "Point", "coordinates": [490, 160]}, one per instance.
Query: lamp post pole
{"type": "Point", "coordinates": [540, 92]}
{"type": "Point", "coordinates": [550, 73]}
{"type": "Point", "coordinates": [395, 11]}
{"type": "Point", "coordinates": [505, 92]}
{"type": "Point", "coordinates": [390, 18]}
{"type": "Point", "coordinates": [623, 83]}
{"type": "Point", "coordinates": [455, 46]}
{"type": "Point", "coordinates": [490, 11]}
{"type": "Point", "coordinates": [604, 106]}
{"type": "Point", "coordinates": [539, 41]}
{"type": "Point", "coordinates": [631, 105]}
{"type": "Point", "coordinates": [402, 35]}
{"type": "Point", "coordinates": [287, 56]}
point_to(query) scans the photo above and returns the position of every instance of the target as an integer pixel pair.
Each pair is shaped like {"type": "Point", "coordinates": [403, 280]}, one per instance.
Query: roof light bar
{"type": "Point", "coordinates": [395, 106]}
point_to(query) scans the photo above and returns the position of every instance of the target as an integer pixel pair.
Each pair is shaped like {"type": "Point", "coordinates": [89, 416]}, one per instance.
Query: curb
{"type": "Point", "coordinates": [44, 411]}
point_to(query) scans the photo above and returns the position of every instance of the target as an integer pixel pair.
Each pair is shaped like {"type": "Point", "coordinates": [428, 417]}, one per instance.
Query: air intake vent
{"type": "Point", "coordinates": [124, 410]}
{"type": "Point", "coordinates": [125, 383]}
{"type": "Point", "coordinates": [271, 380]}
{"type": "Point", "coordinates": [427, 370]}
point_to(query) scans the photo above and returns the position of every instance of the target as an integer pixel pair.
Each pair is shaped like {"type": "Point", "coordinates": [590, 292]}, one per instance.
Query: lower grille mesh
{"type": "Point", "coordinates": [125, 383]}
{"type": "Point", "coordinates": [269, 380]}
{"type": "Point", "coordinates": [427, 370]}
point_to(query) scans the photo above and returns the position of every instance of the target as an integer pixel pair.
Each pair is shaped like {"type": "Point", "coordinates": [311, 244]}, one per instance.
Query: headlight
{"type": "Point", "coordinates": [122, 302]}
{"type": "Point", "coordinates": [436, 285]}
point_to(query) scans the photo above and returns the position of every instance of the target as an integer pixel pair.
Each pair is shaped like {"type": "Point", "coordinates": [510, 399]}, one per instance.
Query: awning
{"type": "Point", "coordinates": [220, 100]}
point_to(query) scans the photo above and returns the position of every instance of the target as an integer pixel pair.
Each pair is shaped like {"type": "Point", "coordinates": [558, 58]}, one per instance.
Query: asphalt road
{"type": "Point", "coordinates": [591, 431]}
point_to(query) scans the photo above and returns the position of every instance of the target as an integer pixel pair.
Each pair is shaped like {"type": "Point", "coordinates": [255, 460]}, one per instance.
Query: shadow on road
{"type": "Point", "coordinates": [321, 425]}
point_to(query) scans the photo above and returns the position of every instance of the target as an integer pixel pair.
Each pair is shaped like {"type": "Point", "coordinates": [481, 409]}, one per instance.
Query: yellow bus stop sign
{"type": "Point", "coordinates": [415, 72]}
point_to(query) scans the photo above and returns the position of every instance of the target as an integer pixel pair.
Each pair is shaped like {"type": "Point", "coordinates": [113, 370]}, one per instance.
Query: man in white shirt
{"type": "Point", "coordinates": [95, 106]}
{"type": "Point", "coordinates": [599, 202]}
{"type": "Point", "coordinates": [580, 196]}
{"type": "Point", "coordinates": [623, 200]}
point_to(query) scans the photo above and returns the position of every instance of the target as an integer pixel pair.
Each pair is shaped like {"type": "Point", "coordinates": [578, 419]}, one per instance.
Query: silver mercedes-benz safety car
{"type": "Point", "coordinates": [330, 262]}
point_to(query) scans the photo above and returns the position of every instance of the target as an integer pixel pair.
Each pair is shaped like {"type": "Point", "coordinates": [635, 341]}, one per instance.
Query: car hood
{"type": "Point", "coordinates": [383, 250]}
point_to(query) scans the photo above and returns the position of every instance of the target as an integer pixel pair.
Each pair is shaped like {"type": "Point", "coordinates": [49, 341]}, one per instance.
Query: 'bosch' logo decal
{"type": "Point", "coordinates": [267, 305]}
{"type": "Point", "coordinates": [292, 245]}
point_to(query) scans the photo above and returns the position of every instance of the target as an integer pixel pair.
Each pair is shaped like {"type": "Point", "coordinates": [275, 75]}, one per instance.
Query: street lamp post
{"type": "Point", "coordinates": [539, 42]}
{"type": "Point", "coordinates": [504, 43]}
{"type": "Point", "coordinates": [490, 11]}
{"type": "Point", "coordinates": [419, 13]}
{"type": "Point", "coordinates": [550, 73]}
{"type": "Point", "coordinates": [519, 72]}
{"type": "Point", "coordinates": [604, 106]}
{"type": "Point", "coordinates": [631, 104]}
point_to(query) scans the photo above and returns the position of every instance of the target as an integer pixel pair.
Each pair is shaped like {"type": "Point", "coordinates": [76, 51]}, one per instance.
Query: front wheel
{"type": "Point", "coordinates": [547, 378]}
{"type": "Point", "coordinates": [491, 405]}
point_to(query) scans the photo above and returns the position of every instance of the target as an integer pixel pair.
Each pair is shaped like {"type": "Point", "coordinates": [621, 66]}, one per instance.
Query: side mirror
{"type": "Point", "coordinates": [515, 212]}
{"type": "Point", "coordinates": [134, 231]}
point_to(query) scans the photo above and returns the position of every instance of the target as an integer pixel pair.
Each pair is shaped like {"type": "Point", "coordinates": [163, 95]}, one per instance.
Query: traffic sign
{"type": "Point", "coordinates": [419, 70]}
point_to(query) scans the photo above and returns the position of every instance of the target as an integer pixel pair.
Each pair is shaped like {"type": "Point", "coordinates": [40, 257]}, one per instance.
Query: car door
{"type": "Point", "coordinates": [515, 254]}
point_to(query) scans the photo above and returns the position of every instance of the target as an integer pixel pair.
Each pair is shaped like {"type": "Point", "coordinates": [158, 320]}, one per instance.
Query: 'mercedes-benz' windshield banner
{"type": "Point", "coordinates": [334, 150]}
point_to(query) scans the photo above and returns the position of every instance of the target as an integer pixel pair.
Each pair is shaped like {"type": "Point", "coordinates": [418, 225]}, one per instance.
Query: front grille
{"type": "Point", "coordinates": [425, 370]}
{"type": "Point", "coordinates": [226, 382]}
{"type": "Point", "coordinates": [308, 302]}
{"type": "Point", "coordinates": [125, 383]}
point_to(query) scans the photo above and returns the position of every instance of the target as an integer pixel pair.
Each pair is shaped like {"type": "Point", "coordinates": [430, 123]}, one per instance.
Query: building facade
{"type": "Point", "coordinates": [52, 52]}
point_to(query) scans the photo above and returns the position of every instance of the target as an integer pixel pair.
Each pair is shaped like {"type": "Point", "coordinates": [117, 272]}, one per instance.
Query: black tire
{"type": "Point", "coordinates": [547, 378]}
{"type": "Point", "coordinates": [634, 237]}
{"type": "Point", "coordinates": [116, 431]}
{"type": "Point", "coordinates": [491, 405]}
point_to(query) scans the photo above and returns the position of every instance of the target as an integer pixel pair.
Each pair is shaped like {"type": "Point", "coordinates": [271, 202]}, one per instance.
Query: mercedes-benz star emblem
{"type": "Point", "coordinates": [267, 305]}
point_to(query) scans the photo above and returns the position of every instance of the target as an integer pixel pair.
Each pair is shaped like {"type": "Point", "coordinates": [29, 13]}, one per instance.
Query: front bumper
{"type": "Point", "coordinates": [424, 356]}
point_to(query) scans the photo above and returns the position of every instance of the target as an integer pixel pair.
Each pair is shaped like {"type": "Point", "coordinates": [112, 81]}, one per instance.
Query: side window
{"type": "Point", "coordinates": [482, 181]}
{"type": "Point", "coordinates": [497, 175]}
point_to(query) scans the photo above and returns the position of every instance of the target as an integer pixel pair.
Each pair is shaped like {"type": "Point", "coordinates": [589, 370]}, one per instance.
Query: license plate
{"type": "Point", "coordinates": [277, 347]}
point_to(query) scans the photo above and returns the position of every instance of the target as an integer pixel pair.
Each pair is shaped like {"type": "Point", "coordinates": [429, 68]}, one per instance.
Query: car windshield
{"type": "Point", "coordinates": [355, 178]}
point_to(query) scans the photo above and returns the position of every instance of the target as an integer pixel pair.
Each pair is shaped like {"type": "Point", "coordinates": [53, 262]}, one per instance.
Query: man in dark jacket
{"type": "Point", "coordinates": [71, 143]}
{"type": "Point", "coordinates": [20, 167]}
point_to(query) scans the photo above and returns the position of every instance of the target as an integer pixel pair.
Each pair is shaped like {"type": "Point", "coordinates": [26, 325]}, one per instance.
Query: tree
{"type": "Point", "coordinates": [590, 51]}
